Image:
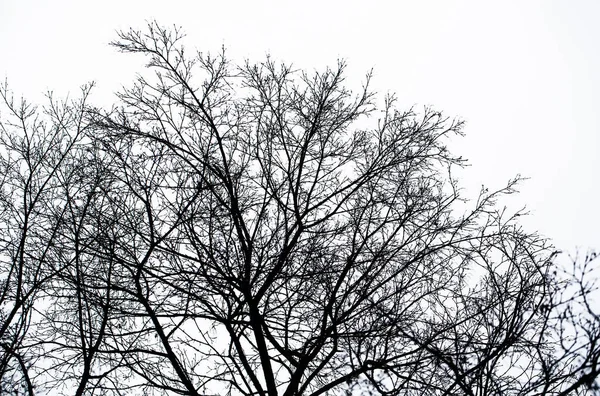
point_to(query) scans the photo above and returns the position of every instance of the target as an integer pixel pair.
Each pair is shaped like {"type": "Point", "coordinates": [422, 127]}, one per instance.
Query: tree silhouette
{"type": "Point", "coordinates": [237, 230]}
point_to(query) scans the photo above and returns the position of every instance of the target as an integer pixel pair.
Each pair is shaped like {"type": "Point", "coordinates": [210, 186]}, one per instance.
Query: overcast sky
{"type": "Point", "coordinates": [524, 75]}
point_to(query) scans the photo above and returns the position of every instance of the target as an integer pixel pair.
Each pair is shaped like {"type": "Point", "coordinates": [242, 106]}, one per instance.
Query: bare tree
{"type": "Point", "coordinates": [238, 230]}
{"type": "Point", "coordinates": [34, 146]}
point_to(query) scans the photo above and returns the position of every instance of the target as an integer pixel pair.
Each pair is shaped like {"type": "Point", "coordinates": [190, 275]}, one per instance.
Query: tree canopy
{"type": "Point", "coordinates": [259, 230]}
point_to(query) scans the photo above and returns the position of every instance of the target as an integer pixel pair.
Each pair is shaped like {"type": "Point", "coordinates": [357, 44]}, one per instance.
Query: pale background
{"type": "Point", "coordinates": [524, 75]}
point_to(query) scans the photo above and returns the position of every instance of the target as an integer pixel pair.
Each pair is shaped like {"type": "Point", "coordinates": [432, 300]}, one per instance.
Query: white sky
{"type": "Point", "coordinates": [523, 74]}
